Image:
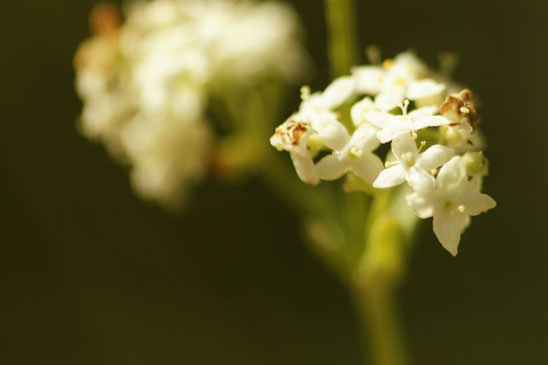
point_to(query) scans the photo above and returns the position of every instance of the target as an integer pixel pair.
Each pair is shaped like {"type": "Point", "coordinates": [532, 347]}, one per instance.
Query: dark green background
{"type": "Point", "coordinates": [91, 275]}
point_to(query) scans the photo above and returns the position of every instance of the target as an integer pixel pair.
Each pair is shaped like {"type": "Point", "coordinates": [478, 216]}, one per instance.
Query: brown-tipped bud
{"type": "Point", "coordinates": [105, 19]}
{"type": "Point", "coordinates": [459, 106]}
{"type": "Point", "coordinates": [289, 133]}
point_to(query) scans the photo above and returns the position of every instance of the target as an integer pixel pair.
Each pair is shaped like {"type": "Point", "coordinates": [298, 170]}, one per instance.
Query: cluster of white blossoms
{"type": "Point", "coordinates": [146, 82]}
{"type": "Point", "coordinates": [435, 145]}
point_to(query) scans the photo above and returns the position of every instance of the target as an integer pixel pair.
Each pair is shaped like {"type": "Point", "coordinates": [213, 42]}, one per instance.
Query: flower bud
{"type": "Point", "coordinates": [450, 134]}
{"type": "Point", "coordinates": [475, 163]}
{"type": "Point", "coordinates": [314, 145]}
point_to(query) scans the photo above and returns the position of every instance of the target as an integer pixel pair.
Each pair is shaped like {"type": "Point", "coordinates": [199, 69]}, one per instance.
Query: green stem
{"type": "Point", "coordinates": [342, 35]}
{"type": "Point", "coordinates": [377, 308]}
{"type": "Point", "coordinates": [376, 279]}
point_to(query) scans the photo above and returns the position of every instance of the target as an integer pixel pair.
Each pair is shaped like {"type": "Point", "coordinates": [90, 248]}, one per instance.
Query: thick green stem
{"type": "Point", "coordinates": [342, 35]}
{"type": "Point", "coordinates": [377, 308]}
{"type": "Point", "coordinates": [375, 282]}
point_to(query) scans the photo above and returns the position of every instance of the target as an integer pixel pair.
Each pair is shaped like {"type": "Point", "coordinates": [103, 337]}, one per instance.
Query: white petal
{"type": "Point", "coordinates": [369, 79]}
{"type": "Point", "coordinates": [430, 121]}
{"type": "Point", "coordinates": [304, 165]}
{"type": "Point", "coordinates": [405, 145]}
{"type": "Point", "coordinates": [390, 98]}
{"type": "Point", "coordinates": [448, 229]}
{"type": "Point", "coordinates": [422, 204]}
{"type": "Point", "coordinates": [387, 134]}
{"type": "Point", "coordinates": [360, 109]}
{"type": "Point", "coordinates": [339, 92]}
{"type": "Point", "coordinates": [422, 112]}
{"type": "Point", "coordinates": [332, 133]}
{"type": "Point", "coordinates": [426, 93]}
{"type": "Point", "coordinates": [367, 167]}
{"type": "Point", "coordinates": [390, 177]}
{"type": "Point", "coordinates": [435, 156]}
{"type": "Point", "coordinates": [331, 167]}
{"type": "Point", "coordinates": [475, 203]}
{"type": "Point", "coordinates": [381, 119]}
{"type": "Point", "coordinates": [409, 65]}
{"type": "Point", "coordinates": [365, 138]}
{"type": "Point", "coordinates": [452, 174]}
{"type": "Point", "coordinates": [424, 88]}
{"type": "Point", "coordinates": [420, 180]}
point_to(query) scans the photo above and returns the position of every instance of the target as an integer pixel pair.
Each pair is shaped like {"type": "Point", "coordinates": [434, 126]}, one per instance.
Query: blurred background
{"type": "Point", "coordinates": [91, 275]}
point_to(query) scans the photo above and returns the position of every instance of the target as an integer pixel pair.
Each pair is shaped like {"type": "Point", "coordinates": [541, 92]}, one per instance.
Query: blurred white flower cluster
{"type": "Point", "coordinates": [147, 82]}
{"type": "Point", "coordinates": [435, 145]}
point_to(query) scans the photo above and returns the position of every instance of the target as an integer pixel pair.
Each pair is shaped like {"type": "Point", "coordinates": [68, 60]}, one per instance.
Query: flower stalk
{"type": "Point", "coordinates": [384, 336]}
{"type": "Point", "coordinates": [374, 285]}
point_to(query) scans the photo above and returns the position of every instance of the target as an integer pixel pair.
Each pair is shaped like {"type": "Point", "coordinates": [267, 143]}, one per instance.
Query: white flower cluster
{"type": "Point", "coordinates": [435, 148]}
{"type": "Point", "coordinates": [146, 82]}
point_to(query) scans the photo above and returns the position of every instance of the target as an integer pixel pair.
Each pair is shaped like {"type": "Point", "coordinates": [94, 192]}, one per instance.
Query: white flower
{"type": "Point", "coordinates": [426, 92]}
{"type": "Point", "coordinates": [405, 68]}
{"type": "Point", "coordinates": [369, 79]}
{"type": "Point", "coordinates": [104, 116]}
{"type": "Point", "coordinates": [446, 178]}
{"type": "Point", "coordinates": [169, 65]}
{"type": "Point", "coordinates": [167, 156]}
{"type": "Point", "coordinates": [356, 156]}
{"type": "Point", "coordinates": [146, 82]}
{"type": "Point", "coordinates": [315, 127]}
{"type": "Point", "coordinates": [360, 110]}
{"type": "Point", "coordinates": [259, 38]}
{"type": "Point", "coordinates": [398, 80]}
{"type": "Point", "coordinates": [293, 136]}
{"type": "Point", "coordinates": [461, 134]}
{"type": "Point", "coordinates": [241, 40]}
{"type": "Point", "coordinates": [392, 126]}
{"type": "Point", "coordinates": [450, 199]}
{"type": "Point", "coordinates": [412, 166]}
{"type": "Point", "coordinates": [102, 82]}
{"type": "Point", "coordinates": [338, 92]}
